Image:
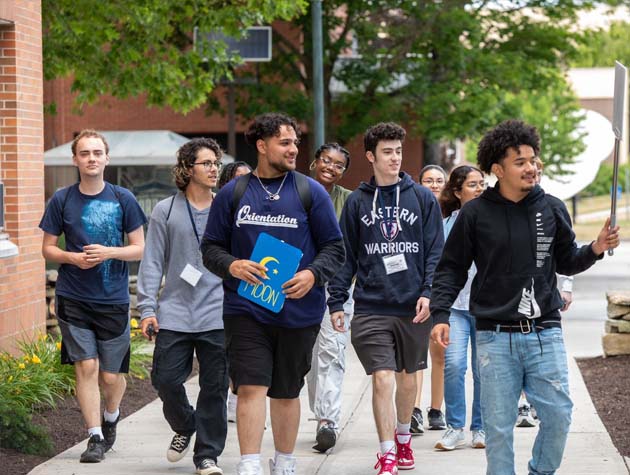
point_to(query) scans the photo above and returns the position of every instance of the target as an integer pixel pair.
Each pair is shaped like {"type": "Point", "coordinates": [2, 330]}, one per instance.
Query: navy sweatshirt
{"type": "Point", "coordinates": [377, 222]}
{"type": "Point", "coordinates": [517, 248]}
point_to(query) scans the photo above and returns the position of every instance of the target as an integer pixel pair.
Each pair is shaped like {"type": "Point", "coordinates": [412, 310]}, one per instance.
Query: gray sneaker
{"type": "Point", "coordinates": [478, 439]}
{"type": "Point", "coordinates": [208, 467]}
{"type": "Point", "coordinates": [451, 439]}
{"type": "Point", "coordinates": [525, 418]}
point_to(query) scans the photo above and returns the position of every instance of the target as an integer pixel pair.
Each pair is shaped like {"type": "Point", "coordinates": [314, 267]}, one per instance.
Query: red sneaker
{"type": "Point", "coordinates": [404, 454]}
{"type": "Point", "coordinates": [387, 464]}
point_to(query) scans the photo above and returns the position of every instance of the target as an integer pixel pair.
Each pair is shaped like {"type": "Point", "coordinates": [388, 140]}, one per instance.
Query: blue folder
{"type": "Point", "coordinates": [281, 260]}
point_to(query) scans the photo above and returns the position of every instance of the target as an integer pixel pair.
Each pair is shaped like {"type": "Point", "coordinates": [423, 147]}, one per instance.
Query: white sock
{"type": "Point", "coordinates": [403, 429]}
{"type": "Point", "coordinates": [388, 446]}
{"type": "Point", "coordinates": [111, 416]}
{"type": "Point", "coordinates": [288, 457]}
{"type": "Point", "coordinates": [252, 457]}
{"type": "Point", "coordinates": [95, 431]}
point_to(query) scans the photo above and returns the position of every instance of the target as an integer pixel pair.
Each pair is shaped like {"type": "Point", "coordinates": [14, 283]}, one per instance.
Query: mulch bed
{"type": "Point", "coordinates": [65, 425]}
{"type": "Point", "coordinates": [608, 383]}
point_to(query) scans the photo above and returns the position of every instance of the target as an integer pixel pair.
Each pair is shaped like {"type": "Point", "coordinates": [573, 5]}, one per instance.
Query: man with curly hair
{"type": "Point", "coordinates": [518, 237]}
{"type": "Point", "coordinates": [187, 316]}
{"type": "Point", "coordinates": [392, 229]}
{"type": "Point", "coordinates": [270, 353]}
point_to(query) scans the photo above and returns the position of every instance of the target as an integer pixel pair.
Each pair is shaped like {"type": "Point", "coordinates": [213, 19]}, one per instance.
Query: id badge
{"type": "Point", "coordinates": [396, 263]}
{"type": "Point", "coordinates": [191, 275]}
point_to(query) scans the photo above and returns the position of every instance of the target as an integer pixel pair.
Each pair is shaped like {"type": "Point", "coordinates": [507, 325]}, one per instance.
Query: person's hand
{"type": "Point", "coordinates": [338, 320]}
{"type": "Point", "coordinates": [440, 333]}
{"type": "Point", "coordinates": [248, 271]}
{"type": "Point", "coordinates": [608, 238]}
{"type": "Point", "coordinates": [144, 325]}
{"type": "Point", "coordinates": [299, 285]}
{"type": "Point", "coordinates": [422, 310]}
{"type": "Point", "coordinates": [567, 298]}
{"type": "Point", "coordinates": [80, 259]}
{"type": "Point", "coordinates": [97, 253]}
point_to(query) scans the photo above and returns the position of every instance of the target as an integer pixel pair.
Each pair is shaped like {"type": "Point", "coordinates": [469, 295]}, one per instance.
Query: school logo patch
{"type": "Point", "coordinates": [389, 229]}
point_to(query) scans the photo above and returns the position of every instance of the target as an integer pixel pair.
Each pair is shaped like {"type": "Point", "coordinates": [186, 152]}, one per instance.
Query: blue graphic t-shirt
{"type": "Point", "coordinates": [103, 219]}
{"type": "Point", "coordinates": [284, 219]}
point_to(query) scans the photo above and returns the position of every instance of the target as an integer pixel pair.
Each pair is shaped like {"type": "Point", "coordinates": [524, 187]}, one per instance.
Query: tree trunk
{"type": "Point", "coordinates": [432, 154]}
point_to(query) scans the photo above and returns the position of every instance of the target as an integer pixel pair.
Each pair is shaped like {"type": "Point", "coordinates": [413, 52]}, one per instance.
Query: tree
{"type": "Point", "coordinates": [602, 47]}
{"type": "Point", "coordinates": [448, 69]}
{"type": "Point", "coordinates": [128, 48]}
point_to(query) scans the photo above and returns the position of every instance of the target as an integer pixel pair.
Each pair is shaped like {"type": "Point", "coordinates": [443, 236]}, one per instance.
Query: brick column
{"type": "Point", "coordinates": [22, 278]}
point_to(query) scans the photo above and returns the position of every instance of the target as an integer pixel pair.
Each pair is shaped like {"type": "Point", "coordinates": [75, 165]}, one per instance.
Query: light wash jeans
{"type": "Point", "coordinates": [456, 363]}
{"type": "Point", "coordinates": [328, 366]}
{"type": "Point", "coordinates": [536, 363]}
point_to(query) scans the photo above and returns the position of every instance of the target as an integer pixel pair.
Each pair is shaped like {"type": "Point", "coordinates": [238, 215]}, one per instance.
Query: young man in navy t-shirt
{"type": "Point", "coordinates": [270, 353]}
{"type": "Point", "coordinates": [92, 292]}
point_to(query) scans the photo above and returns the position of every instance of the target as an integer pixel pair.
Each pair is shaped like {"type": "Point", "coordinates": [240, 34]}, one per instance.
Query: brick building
{"type": "Point", "coordinates": [22, 299]}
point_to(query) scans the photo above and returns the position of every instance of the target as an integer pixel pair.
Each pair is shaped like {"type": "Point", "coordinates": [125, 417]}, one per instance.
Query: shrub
{"type": "Point", "coordinates": [603, 181]}
{"type": "Point", "coordinates": [17, 431]}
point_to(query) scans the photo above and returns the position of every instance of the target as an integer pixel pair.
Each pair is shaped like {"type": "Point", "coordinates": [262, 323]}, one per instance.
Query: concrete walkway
{"type": "Point", "coordinates": [144, 436]}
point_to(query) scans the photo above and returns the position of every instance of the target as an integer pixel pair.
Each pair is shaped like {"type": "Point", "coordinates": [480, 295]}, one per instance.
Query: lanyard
{"type": "Point", "coordinates": [388, 221]}
{"type": "Point", "coordinates": [192, 221]}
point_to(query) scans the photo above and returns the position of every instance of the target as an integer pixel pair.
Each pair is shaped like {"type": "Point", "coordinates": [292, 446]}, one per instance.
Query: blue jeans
{"type": "Point", "coordinates": [536, 363]}
{"type": "Point", "coordinates": [456, 363]}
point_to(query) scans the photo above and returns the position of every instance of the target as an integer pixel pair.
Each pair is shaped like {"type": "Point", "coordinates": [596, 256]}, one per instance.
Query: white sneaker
{"type": "Point", "coordinates": [478, 439]}
{"type": "Point", "coordinates": [283, 465]}
{"type": "Point", "coordinates": [525, 418]}
{"type": "Point", "coordinates": [232, 399]}
{"type": "Point", "coordinates": [249, 467]}
{"type": "Point", "coordinates": [451, 439]}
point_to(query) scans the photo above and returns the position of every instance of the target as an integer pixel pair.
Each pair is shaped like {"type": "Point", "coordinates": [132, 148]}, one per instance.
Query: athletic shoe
{"type": "Point", "coordinates": [387, 464]}
{"type": "Point", "coordinates": [231, 406]}
{"type": "Point", "coordinates": [417, 422]}
{"type": "Point", "coordinates": [178, 447]}
{"type": "Point", "coordinates": [109, 432]}
{"type": "Point", "coordinates": [95, 451]}
{"type": "Point", "coordinates": [249, 467]}
{"type": "Point", "coordinates": [533, 411]}
{"type": "Point", "coordinates": [436, 419]}
{"type": "Point", "coordinates": [451, 439]}
{"type": "Point", "coordinates": [207, 467]}
{"type": "Point", "coordinates": [478, 439]}
{"type": "Point", "coordinates": [283, 465]}
{"type": "Point", "coordinates": [525, 418]}
{"type": "Point", "coordinates": [326, 437]}
{"type": "Point", "coordinates": [404, 455]}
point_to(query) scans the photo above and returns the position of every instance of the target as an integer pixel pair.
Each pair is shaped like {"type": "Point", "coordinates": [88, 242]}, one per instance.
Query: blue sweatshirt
{"type": "Point", "coordinates": [376, 222]}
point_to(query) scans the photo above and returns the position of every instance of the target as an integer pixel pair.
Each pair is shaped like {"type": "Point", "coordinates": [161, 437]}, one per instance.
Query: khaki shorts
{"type": "Point", "coordinates": [386, 342]}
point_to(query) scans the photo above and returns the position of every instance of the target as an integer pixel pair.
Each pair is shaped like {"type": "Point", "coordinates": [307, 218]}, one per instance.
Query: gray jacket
{"type": "Point", "coordinates": [169, 247]}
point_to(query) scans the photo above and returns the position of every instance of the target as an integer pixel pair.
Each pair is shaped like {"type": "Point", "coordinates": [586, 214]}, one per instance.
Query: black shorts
{"type": "Point", "coordinates": [385, 342]}
{"type": "Point", "coordinates": [92, 330]}
{"type": "Point", "coordinates": [264, 355]}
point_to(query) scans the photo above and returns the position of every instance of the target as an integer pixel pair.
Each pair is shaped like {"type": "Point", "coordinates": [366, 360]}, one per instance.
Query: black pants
{"type": "Point", "coordinates": [172, 364]}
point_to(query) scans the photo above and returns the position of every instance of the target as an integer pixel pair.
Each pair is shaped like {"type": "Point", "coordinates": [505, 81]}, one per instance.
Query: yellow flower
{"type": "Point", "coordinates": [21, 366]}
{"type": "Point", "coordinates": [58, 345]}
{"type": "Point", "coordinates": [26, 358]}
{"type": "Point", "coordinates": [10, 378]}
{"type": "Point", "coordinates": [35, 359]}
{"type": "Point", "coordinates": [134, 323]}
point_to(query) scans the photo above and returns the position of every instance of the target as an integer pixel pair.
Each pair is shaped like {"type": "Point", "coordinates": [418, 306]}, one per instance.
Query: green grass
{"type": "Point", "coordinates": [588, 231]}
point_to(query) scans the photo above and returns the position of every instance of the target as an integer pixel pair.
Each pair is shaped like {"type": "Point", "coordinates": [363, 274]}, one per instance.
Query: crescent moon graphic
{"type": "Point", "coordinates": [264, 260]}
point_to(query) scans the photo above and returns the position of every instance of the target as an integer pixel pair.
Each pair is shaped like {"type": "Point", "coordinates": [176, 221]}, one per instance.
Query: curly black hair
{"type": "Point", "coordinates": [228, 171]}
{"type": "Point", "coordinates": [187, 155]}
{"type": "Point", "coordinates": [382, 131]}
{"type": "Point", "coordinates": [448, 201]}
{"type": "Point", "coordinates": [268, 125]}
{"type": "Point", "coordinates": [508, 134]}
{"type": "Point", "coordinates": [333, 146]}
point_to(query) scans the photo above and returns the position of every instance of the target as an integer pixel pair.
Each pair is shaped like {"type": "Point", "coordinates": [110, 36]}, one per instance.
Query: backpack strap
{"type": "Point", "coordinates": [170, 208]}
{"type": "Point", "coordinates": [239, 191]}
{"type": "Point", "coordinates": [304, 191]}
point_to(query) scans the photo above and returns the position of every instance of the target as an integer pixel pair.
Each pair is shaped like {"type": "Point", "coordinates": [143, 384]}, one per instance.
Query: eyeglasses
{"type": "Point", "coordinates": [431, 181]}
{"type": "Point", "coordinates": [327, 161]}
{"type": "Point", "coordinates": [474, 184]}
{"type": "Point", "coordinates": [209, 164]}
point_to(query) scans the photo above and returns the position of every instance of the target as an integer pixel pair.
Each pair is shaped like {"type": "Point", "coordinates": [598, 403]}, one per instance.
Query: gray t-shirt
{"type": "Point", "coordinates": [170, 246]}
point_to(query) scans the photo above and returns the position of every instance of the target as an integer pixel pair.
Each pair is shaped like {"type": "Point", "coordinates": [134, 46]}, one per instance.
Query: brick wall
{"type": "Point", "coordinates": [22, 286]}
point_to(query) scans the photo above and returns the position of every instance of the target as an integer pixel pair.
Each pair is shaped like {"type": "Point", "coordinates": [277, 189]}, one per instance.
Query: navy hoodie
{"type": "Point", "coordinates": [377, 222]}
{"type": "Point", "coordinates": [517, 248]}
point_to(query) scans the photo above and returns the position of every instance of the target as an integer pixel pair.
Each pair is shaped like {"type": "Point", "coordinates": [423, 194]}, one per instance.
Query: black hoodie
{"type": "Point", "coordinates": [381, 221]}
{"type": "Point", "coordinates": [517, 248]}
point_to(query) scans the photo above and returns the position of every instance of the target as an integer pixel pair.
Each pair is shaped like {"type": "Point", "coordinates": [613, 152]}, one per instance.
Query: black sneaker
{"type": "Point", "coordinates": [95, 450]}
{"type": "Point", "coordinates": [178, 448]}
{"type": "Point", "coordinates": [436, 419]}
{"type": "Point", "coordinates": [326, 437]}
{"type": "Point", "coordinates": [417, 422]}
{"type": "Point", "coordinates": [207, 467]}
{"type": "Point", "coordinates": [109, 432]}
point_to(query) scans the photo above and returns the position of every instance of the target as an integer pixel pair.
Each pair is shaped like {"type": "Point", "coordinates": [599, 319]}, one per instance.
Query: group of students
{"type": "Point", "coordinates": [374, 260]}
